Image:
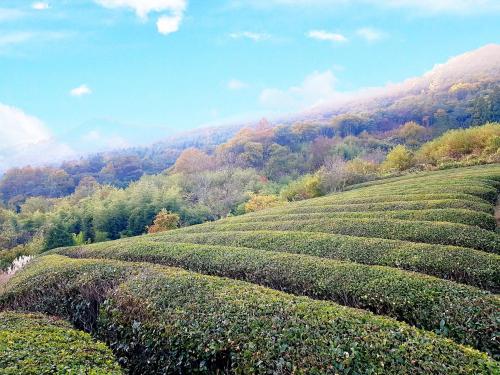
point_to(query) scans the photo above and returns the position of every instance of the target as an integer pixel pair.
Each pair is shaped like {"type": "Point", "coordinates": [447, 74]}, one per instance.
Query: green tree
{"type": "Point", "coordinates": [57, 236]}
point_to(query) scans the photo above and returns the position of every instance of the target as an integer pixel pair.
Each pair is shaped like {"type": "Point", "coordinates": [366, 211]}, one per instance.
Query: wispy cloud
{"type": "Point", "coordinates": [370, 34]}
{"type": "Point", "coordinates": [26, 140]}
{"type": "Point", "coordinates": [235, 84]}
{"type": "Point", "coordinates": [80, 91]}
{"type": "Point", "coordinates": [40, 5]}
{"type": "Point", "coordinates": [317, 88]}
{"type": "Point", "coordinates": [425, 7]}
{"type": "Point", "coordinates": [327, 36]}
{"type": "Point", "coordinates": [256, 37]}
{"type": "Point", "coordinates": [10, 14]}
{"type": "Point", "coordinates": [172, 11]}
{"type": "Point", "coordinates": [22, 37]}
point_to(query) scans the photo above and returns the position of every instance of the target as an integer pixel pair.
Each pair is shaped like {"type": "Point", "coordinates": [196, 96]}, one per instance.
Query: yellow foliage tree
{"type": "Point", "coordinates": [260, 202]}
{"type": "Point", "coordinates": [164, 221]}
{"type": "Point", "coordinates": [399, 159]}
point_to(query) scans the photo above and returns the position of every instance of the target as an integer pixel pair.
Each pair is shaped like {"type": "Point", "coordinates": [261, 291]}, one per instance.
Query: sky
{"type": "Point", "coordinates": [78, 76]}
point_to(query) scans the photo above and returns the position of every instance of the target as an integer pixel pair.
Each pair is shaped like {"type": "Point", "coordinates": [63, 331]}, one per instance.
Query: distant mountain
{"type": "Point", "coordinates": [462, 77]}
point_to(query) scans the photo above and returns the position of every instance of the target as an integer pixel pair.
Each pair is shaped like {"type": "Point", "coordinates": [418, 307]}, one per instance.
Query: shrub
{"type": "Point", "coordinates": [468, 315]}
{"type": "Point", "coordinates": [460, 143]}
{"type": "Point", "coordinates": [415, 231]}
{"type": "Point", "coordinates": [305, 188]}
{"type": "Point", "coordinates": [37, 344]}
{"type": "Point", "coordinates": [398, 159]}
{"type": "Point", "coordinates": [464, 265]}
{"type": "Point", "coordinates": [151, 322]}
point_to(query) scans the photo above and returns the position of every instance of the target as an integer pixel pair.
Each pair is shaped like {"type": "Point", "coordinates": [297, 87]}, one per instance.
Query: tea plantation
{"type": "Point", "coordinates": [396, 276]}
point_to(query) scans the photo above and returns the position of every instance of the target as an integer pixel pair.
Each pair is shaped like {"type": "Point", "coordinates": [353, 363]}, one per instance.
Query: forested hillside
{"type": "Point", "coordinates": [249, 173]}
{"type": "Point", "coordinates": [461, 93]}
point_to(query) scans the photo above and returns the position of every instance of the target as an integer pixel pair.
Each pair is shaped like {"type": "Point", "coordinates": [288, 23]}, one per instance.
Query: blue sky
{"type": "Point", "coordinates": [83, 75]}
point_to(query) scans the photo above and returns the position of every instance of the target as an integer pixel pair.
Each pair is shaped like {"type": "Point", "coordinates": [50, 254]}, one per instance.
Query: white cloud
{"type": "Point", "coordinates": [26, 140]}
{"type": "Point", "coordinates": [80, 91]}
{"type": "Point", "coordinates": [256, 37]}
{"type": "Point", "coordinates": [370, 34]}
{"type": "Point", "coordinates": [324, 35]}
{"type": "Point", "coordinates": [168, 24]}
{"type": "Point", "coordinates": [172, 11]}
{"type": "Point", "coordinates": [317, 88]}
{"type": "Point", "coordinates": [235, 84]}
{"type": "Point", "coordinates": [40, 5]}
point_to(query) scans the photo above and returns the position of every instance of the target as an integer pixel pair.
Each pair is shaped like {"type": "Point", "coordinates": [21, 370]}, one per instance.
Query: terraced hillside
{"type": "Point", "coordinates": [397, 276]}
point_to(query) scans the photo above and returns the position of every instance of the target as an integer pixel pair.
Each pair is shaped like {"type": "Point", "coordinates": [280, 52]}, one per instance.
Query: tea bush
{"type": "Point", "coordinates": [464, 265]}
{"type": "Point", "coordinates": [37, 344]}
{"type": "Point", "coordinates": [165, 320]}
{"type": "Point", "coordinates": [466, 314]}
{"type": "Point", "coordinates": [415, 231]}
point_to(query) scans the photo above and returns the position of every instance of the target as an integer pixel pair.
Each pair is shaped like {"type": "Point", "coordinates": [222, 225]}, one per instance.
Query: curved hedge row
{"type": "Point", "coordinates": [415, 231]}
{"type": "Point", "coordinates": [468, 315]}
{"type": "Point", "coordinates": [478, 172]}
{"type": "Point", "coordinates": [487, 193]}
{"type": "Point", "coordinates": [450, 215]}
{"type": "Point", "coordinates": [37, 344]}
{"type": "Point", "coordinates": [154, 326]}
{"type": "Point", "coordinates": [382, 206]}
{"type": "Point", "coordinates": [344, 198]}
{"type": "Point", "coordinates": [463, 265]}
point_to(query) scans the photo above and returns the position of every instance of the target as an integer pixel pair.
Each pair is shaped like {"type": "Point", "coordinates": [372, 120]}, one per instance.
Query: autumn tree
{"type": "Point", "coordinates": [258, 202]}
{"type": "Point", "coordinates": [164, 221]}
{"type": "Point", "coordinates": [193, 160]}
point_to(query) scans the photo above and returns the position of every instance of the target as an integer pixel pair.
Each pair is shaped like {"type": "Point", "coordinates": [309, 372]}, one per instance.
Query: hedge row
{"type": "Point", "coordinates": [382, 206]}
{"type": "Point", "coordinates": [487, 193]}
{"type": "Point", "coordinates": [415, 231]}
{"type": "Point", "coordinates": [344, 198]}
{"type": "Point", "coordinates": [459, 216]}
{"type": "Point", "coordinates": [489, 172]}
{"type": "Point", "coordinates": [463, 265]}
{"type": "Point", "coordinates": [36, 344]}
{"type": "Point", "coordinates": [466, 314]}
{"type": "Point", "coordinates": [163, 320]}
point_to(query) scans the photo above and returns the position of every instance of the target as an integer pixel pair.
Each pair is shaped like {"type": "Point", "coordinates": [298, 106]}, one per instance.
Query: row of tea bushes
{"type": "Point", "coordinates": [344, 198]}
{"type": "Point", "coordinates": [468, 315]}
{"type": "Point", "coordinates": [36, 344]}
{"type": "Point", "coordinates": [380, 206]}
{"type": "Point", "coordinates": [450, 215]}
{"type": "Point", "coordinates": [414, 231]}
{"type": "Point", "coordinates": [165, 320]}
{"type": "Point", "coordinates": [463, 265]}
